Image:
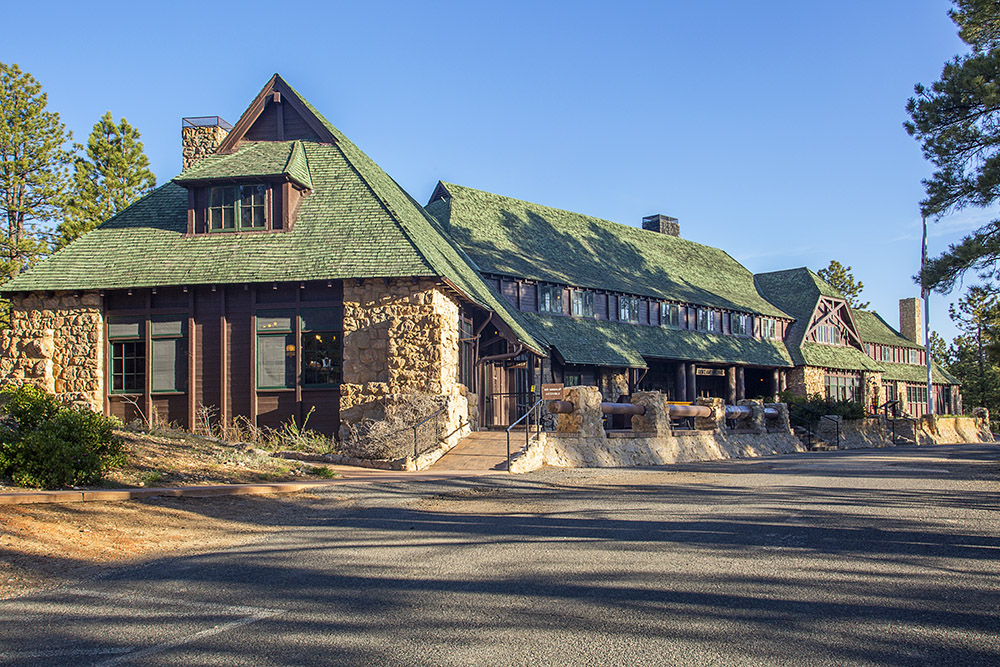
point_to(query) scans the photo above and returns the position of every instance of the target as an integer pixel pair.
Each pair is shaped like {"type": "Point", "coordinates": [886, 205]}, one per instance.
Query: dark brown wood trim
{"type": "Point", "coordinates": [107, 360]}
{"type": "Point", "coordinates": [192, 366]}
{"type": "Point", "coordinates": [224, 359]}
{"type": "Point", "coordinates": [253, 356]}
{"type": "Point", "coordinates": [148, 336]}
{"type": "Point", "coordinates": [281, 116]}
{"type": "Point", "coordinates": [191, 213]}
{"type": "Point", "coordinates": [298, 352]}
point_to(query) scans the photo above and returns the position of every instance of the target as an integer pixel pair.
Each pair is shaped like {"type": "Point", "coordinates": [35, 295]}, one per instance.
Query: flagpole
{"type": "Point", "coordinates": [925, 295]}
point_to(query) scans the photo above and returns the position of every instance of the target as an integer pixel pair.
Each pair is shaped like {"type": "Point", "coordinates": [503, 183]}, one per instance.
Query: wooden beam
{"type": "Point", "coordinates": [192, 367]}
{"type": "Point", "coordinates": [224, 359]}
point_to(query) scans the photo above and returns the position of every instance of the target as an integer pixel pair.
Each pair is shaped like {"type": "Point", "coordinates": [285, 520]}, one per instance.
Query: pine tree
{"type": "Point", "coordinates": [977, 315]}
{"type": "Point", "coordinates": [939, 349]}
{"type": "Point", "coordinates": [33, 166]}
{"type": "Point", "coordinates": [841, 279]}
{"type": "Point", "coordinates": [114, 173]}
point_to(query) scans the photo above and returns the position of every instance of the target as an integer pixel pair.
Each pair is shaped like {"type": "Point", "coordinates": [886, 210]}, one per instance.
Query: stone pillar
{"type": "Point", "coordinates": [717, 420]}
{"type": "Point", "coordinates": [784, 380]}
{"type": "Point", "coordinates": [754, 423]}
{"type": "Point", "coordinates": [657, 417]}
{"type": "Point", "coordinates": [586, 418]}
{"type": "Point", "coordinates": [741, 384]}
{"type": "Point", "coordinates": [731, 385]}
{"type": "Point", "coordinates": [692, 383]}
{"type": "Point", "coordinates": [781, 423]}
{"type": "Point", "coordinates": [680, 382]}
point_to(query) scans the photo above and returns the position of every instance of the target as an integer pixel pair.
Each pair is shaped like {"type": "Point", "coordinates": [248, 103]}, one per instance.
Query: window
{"type": "Point", "coordinates": [869, 350]}
{"type": "Point", "coordinates": [916, 394]}
{"type": "Point", "coordinates": [706, 320]}
{"type": "Point", "coordinates": [828, 334]}
{"type": "Point", "coordinates": [628, 308]}
{"type": "Point", "coordinates": [886, 353]}
{"type": "Point", "coordinates": [275, 349]}
{"type": "Point", "coordinates": [670, 315]}
{"type": "Point", "coordinates": [842, 387]}
{"type": "Point", "coordinates": [768, 328]}
{"type": "Point", "coordinates": [233, 207]}
{"type": "Point", "coordinates": [913, 356]}
{"type": "Point", "coordinates": [319, 348]}
{"type": "Point", "coordinates": [321, 339]}
{"type": "Point", "coordinates": [128, 355]}
{"type": "Point", "coordinates": [583, 303]}
{"type": "Point", "coordinates": [168, 353]}
{"type": "Point", "coordinates": [467, 351]}
{"type": "Point", "coordinates": [740, 324]}
{"type": "Point", "coordinates": [550, 299]}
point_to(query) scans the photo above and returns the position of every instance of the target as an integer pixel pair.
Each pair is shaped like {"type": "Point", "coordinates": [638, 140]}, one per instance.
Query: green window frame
{"type": "Point", "coordinates": [237, 208]}
{"type": "Point", "coordinates": [168, 353]}
{"type": "Point", "coordinates": [842, 387]}
{"type": "Point", "coordinates": [670, 315]}
{"type": "Point", "coordinates": [550, 299]}
{"type": "Point", "coordinates": [322, 351]}
{"type": "Point", "coordinates": [128, 355]}
{"type": "Point", "coordinates": [276, 349]}
{"type": "Point", "coordinates": [628, 309]}
{"type": "Point", "coordinates": [582, 303]}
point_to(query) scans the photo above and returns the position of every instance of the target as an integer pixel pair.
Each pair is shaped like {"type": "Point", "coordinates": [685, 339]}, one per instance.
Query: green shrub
{"type": "Point", "coordinates": [45, 444]}
{"type": "Point", "coordinates": [811, 409]}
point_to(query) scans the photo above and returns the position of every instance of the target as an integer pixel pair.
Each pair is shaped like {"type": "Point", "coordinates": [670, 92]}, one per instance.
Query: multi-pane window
{"type": "Point", "coordinates": [886, 354]}
{"type": "Point", "coordinates": [706, 320]}
{"type": "Point", "coordinates": [233, 207]}
{"type": "Point", "coordinates": [670, 315]}
{"type": "Point", "coordinates": [275, 349]}
{"type": "Point", "coordinates": [842, 387]}
{"type": "Point", "coordinates": [319, 347]}
{"type": "Point", "coordinates": [740, 324]}
{"type": "Point", "coordinates": [913, 356]}
{"type": "Point", "coordinates": [466, 352]}
{"type": "Point", "coordinates": [550, 299]}
{"type": "Point", "coordinates": [321, 338]}
{"type": "Point", "coordinates": [128, 355]}
{"type": "Point", "coordinates": [583, 303]}
{"type": "Point", "coordinates": [868, 350]}
{"type": "Point", "coordinates": [768, 328]}
{"type": "Point", "coordinates": [168, 353]}
{"type": "Point", "coordinates": [628, 308]}
{"type": "Point", "coordinates": [916, 394]}
{"type": "Point", "coordinates": [828, 334]}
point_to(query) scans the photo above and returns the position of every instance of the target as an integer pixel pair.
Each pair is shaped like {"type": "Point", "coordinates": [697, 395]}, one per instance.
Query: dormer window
{"type": "Point", "coordinates": [237, 207]}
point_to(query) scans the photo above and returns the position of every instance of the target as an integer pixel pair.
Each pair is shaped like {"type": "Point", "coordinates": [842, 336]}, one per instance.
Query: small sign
{"type": "Point", "coordinates": [552, 392]}
{"type": "Point", "coordinates": [710, 371]}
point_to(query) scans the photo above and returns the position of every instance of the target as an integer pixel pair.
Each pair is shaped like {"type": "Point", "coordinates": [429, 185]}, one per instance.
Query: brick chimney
{"type": "Point", "coordinates": [911, 323]}
{"type": "Point", "coordinates": [201, 136]}
{"type": "Point", "coordinates": [663, 224]}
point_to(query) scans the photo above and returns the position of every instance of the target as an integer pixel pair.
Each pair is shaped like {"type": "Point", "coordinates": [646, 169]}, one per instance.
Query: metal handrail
{"type": "Point", "coordinates": [818, 414]}
{"type": "Point", "coordinates": [527, 427]}
{"type": "Point", "coordinates": [421, 423]}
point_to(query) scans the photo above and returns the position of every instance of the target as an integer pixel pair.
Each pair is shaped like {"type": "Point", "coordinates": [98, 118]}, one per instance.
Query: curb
{"type": "Point", "coordinates": [33, 497]}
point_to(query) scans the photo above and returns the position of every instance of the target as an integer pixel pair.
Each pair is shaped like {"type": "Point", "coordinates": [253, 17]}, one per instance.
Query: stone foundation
{"type": "Point", "coordinates": [57, 343]}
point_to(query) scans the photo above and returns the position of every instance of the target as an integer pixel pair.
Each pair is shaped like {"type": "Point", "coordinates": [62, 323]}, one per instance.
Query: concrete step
{"type": "Point", "coordinates": [481, 450]}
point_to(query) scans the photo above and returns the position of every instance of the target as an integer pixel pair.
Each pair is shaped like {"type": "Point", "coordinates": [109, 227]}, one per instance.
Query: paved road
{"type": "Point", "coordinates": [841, 558]}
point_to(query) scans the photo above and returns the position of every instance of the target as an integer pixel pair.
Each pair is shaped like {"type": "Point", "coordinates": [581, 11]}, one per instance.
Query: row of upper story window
{"type": "Point", "coordinates": [895, 355]}
{"type": "Point", "coordinates": [559, 300]}
{"type": "Point", "coordinates": [248, 207]}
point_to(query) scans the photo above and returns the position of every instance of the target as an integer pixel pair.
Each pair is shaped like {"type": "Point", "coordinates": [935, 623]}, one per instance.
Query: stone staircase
{"type": "Point", "coordinates": [813, 443]}
{"type": "Point", "coordinates": [480, 450]}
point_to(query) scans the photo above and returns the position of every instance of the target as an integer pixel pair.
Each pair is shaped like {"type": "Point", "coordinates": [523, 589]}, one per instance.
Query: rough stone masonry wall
{"type": "Point", "coordinates": [400, 339]}
{"type": "Point", "coordinates": [581, 442]}
{"type": "Point", "coordinates": [197, 142]}
{"type": "Point", "coordinates": [806, 380]}
{"type": "Point", "coordinates": [57, 343]}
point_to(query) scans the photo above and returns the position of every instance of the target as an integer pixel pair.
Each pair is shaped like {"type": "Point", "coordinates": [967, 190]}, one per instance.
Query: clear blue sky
{"type": "Point", "coordinates": [772, 130]}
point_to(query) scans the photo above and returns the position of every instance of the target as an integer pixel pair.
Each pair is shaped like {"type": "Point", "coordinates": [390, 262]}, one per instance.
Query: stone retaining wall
{"type": "Point", "coordinates": [57, 343]}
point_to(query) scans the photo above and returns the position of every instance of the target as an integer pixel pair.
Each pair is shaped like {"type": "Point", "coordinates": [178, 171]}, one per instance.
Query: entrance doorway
{"type": "Point", "coordinates": [507, 390]}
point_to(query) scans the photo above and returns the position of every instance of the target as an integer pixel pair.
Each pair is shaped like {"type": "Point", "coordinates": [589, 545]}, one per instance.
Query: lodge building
{"type": "Point", "coordinates": [283, 275]}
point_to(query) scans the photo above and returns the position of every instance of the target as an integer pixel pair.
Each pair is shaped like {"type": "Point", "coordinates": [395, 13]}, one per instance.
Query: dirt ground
{"type": "Point", "coordinates": [47, 545]}
{"type": "Point", "coordinates": [186, 460]}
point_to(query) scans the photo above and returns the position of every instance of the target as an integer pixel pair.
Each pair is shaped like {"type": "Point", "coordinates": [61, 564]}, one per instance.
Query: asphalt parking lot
{"type": "Point", "coordinates": [859, 557]}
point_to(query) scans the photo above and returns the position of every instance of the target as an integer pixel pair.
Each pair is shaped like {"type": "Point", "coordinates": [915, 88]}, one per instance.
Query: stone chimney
{"type": "Point", "coordinates": [911, 323]}
{"type": "Point", "coordinates": [201, 136]}
{"type": "Point", "coordinates": [663, 224]}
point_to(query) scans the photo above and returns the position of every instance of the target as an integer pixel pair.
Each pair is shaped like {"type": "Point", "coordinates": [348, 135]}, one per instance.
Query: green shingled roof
{"type": "Point", "coordinates": [356, 223]}
{"type": "Point", "coordinates": [873, 329]}
{"type": "Point", "coordinates": [600, 342]}
{"type": "Point", "coordinates": [517, 238]}
{"type": "Point", "coordinates": [917, 374]}
{"type": "Point", "coordinates": [261, 159]}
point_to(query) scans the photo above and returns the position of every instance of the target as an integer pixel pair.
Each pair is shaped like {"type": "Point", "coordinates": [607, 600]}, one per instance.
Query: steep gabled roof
{"type": "Point", "coordinates": [512, 237]}
{"type": "Point", "coordinates": [798, 291]}
{"type": "Point", "coordinates": [874, 329]}
{"type": "Point", "coordinates": [356, 223]}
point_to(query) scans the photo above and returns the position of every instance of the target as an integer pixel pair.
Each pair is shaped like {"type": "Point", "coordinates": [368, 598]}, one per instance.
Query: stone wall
{"type": "Point", "coordinates": [400, 340]}
{"type": "Point", "coordinates": [57, 343]}
{"type": "Point", "coordinates": [197, 142]}
{"type": "Point", "coordinates": [806, 380]}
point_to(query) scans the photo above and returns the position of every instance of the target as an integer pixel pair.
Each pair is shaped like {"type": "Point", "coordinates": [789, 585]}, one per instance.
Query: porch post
{"type": "Point", "coordinates": [680, 382]}
{"type": "Point", "coordinates": [741, 386]}
{"type": "Point", "coordinates": [731, 385]}
{"type": "Point", "coordinates": [692, 382]}
{"type": "Point", "coordinates": [775, 383]}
